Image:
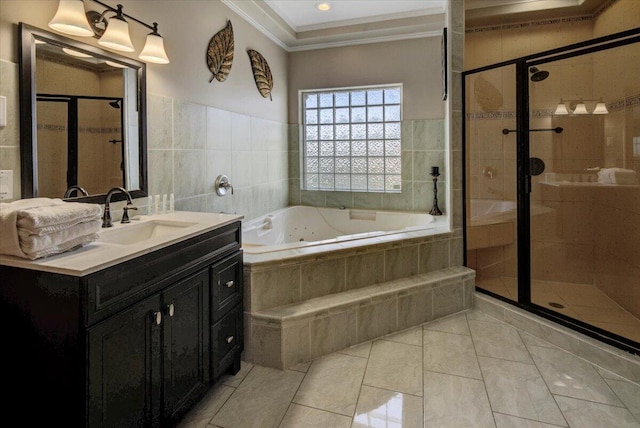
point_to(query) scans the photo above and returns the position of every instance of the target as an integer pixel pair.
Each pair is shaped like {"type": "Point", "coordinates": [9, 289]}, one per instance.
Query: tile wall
{"type": "Point", "coordinates": [423, 146]}
{"type": "Point", "coordinates": [10, 135]}
{"type": "Point", "coordinates": [189, 145]}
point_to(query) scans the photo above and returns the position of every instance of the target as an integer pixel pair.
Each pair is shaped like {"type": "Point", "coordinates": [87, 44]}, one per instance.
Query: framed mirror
{"type": "Point", "coordinates": [82, 119]}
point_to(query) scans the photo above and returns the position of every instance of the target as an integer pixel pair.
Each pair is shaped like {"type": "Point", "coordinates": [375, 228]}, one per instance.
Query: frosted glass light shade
{"type": "Point", "coordinates": [601, 108]}
{"type": "Point", "coordinates": [75, 53]}
{"type": "Point", "coordinates": [153, 50]}
{"type": "Point", "coordinates": [561, 109]}
{"type": "Point", "coordinates": [581, 109]}
{"type": "Point", "coordinates": [116, 36]}
{"type": "Point", "coordinates": [70, 18]}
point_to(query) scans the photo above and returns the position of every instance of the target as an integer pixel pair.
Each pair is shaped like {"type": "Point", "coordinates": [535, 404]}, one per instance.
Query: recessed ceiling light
{"type": "Point", "coordinates": [323, 6]}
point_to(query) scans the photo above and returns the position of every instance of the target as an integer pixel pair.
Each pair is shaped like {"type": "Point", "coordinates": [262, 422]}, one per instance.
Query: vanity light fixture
{"type": "Point", "coordinates": [70, 18]}
{"type": "Point", "coordinates": [579, 107]}
{"type": "Point", "coordinates": [75, 53]}
{"type": "Point", "coordinates": [113, 33]}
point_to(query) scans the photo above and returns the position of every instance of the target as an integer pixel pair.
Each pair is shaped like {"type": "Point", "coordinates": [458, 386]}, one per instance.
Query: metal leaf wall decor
{"type": "Point", "coordinates": [261, 73]}
{"type": "Point", "coordinates": [220, 53]}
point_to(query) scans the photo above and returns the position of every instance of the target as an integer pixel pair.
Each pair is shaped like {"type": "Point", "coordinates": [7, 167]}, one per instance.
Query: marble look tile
{"type": "Point", "coordinates": [382, 408]}
{"type": "Point", "coordinates": [506, 421]}
{"type": "Point", "coordinates": [569, 375]}
{"type": "Point", "coordinates": [376, 320]}
{"type": "Point", "coordinates": [450, 353]}
{"type": "Point", "coordinates": [412, 336]}
{"type": "Point", "coordinates": [333, 383]}
{"type": "Point", "coordinates": [296, 347]}
{"type": "Point", "coordinates": [235, 380]}
{"type": "Point", "coordinates": [160, 124]}
{"type": "Point", "coordinates": [401, 262]}
{"type": "Point", "coordinates": [629, 394]}
{"type": "Point", "coordinates": [190, 125]}
{"type": "Point", "coordinates": [415, 308]}
{"type": "Point", "coordinates": [307, 417]}
{"type": "Point", "coordinates": [363, 350]}
{"type": "Point", "coordinates": [373, 273]}
{"type": "Point", "coordinates": [302, 367]}
{"type": "Point", "coordinates": [275, 287]}
{"type": "Point", "coordinates": [531, 340]}
{"type": "Point", "coordinates": [406, 361]}
{"type": "Point", "coordinates": [606, 374]}
{"type": "Point", "coordinates": [517, 389]}
{"type": "Point", "coordinates": [202, 413]}
{"type": "Point", "coordinates": [486, 309]}
{"type": "Point", "coordinates": [261, 400]}
{"type": "Point", "coordinates": [498, 341]}
{"type": "Point", "coordinates": [447, 300]}
{"type": "Point", "coordinates": [332, 333]}
{"type": "Point", "coordinates": [322, 278]}
{"type": "Point", "coordinates": [434, 256]}
{"type": "Point", "coordinates": [456, 324]}
{"type": "Point", "coordinates": [454, 401]}
{"type": "Point", "coordinates": [585, 414]}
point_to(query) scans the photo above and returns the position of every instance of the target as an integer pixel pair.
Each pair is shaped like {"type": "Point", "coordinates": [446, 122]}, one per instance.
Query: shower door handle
{"type": "Point", "coordinates": [557, 130]}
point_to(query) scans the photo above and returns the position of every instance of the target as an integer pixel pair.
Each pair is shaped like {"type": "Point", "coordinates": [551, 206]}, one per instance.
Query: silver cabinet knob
{"type": "Point", "coordinates": [229, 339]}
{"type": "Point", "coordinates": [229, 284]}
{"type": "Point", "coordinates": [171, 309]}
{"type": "Point", "coordinates": [158, 316]}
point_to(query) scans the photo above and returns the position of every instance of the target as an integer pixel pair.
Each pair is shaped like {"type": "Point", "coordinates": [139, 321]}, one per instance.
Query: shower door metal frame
{"type": "Point", "coordinates": [523, 177]}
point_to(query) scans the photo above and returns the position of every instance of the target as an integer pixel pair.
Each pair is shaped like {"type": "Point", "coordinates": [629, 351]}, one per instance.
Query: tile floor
{"type": "Point", "coordinates": [466, 370]}
{"type": "Point", "coordinates": [581, 301]}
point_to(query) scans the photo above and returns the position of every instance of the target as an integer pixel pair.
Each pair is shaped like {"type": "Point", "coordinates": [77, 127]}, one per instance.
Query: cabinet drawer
{"type": "Point", "coordinates": [226, 284]}
{"type": "Point", "coordinates": [226, 340]}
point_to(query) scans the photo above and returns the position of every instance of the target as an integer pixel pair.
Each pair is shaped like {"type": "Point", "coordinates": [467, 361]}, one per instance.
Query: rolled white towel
{"type": "Point", "coordinates": [38, 227]}
{"type": "Point", "coordinates": [617, 176]}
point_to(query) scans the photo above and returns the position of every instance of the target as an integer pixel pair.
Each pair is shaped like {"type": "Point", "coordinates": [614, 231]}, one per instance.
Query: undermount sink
{"type": "Point", "coordinates": [132, 233]}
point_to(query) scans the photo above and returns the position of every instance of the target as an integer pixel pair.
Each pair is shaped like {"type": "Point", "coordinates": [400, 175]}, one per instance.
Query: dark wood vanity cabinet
{"type": "Point", "coordinates": [133, 345]}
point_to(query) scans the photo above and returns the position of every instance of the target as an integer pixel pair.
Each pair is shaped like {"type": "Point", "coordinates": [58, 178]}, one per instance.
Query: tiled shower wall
{"type": "Point", "coordinates": [10, 134]}
{"type": "Point", "coordinates": [189, 145]}
{"type": "Point", "coordinates": [423, 146]}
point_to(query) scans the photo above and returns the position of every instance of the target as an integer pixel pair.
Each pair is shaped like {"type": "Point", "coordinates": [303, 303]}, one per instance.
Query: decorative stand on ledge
{"type": "Point", "coordinates": [435, 173]}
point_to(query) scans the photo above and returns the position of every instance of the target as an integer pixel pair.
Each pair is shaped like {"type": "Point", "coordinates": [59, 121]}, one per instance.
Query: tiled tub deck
{"type": "Point", "coordinates": [301, 305]}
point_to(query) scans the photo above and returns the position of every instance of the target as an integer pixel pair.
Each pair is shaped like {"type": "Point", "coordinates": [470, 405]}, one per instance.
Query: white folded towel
{"type": "Point", "coordinates": [617, 176]}
{"type": "Point", "coordinates": [38, 227]}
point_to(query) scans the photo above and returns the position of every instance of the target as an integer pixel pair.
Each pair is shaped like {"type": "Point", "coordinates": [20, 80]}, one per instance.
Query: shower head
{"type": "Point", "coordinates": [115, 104]}
{"type": "Point", "coordinates": [538, 75]}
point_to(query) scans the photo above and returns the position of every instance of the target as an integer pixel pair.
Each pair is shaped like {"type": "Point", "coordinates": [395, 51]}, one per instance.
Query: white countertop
{"type": "Point", "coordinates": [99, 255]}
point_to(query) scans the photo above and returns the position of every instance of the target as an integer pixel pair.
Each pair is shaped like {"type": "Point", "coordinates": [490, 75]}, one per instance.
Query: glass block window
{"type": "Point", "coordinates": [351, 139]}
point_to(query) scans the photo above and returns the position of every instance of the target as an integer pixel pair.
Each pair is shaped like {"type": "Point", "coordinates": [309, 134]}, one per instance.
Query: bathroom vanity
{"type": "Point", "coordinates": [129, 331]}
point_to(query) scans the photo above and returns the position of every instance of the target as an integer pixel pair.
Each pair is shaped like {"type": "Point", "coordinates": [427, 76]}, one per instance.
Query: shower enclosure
{"type": "Point", "coordinates": [552, 197]}
{"type": "Point", "coordinates": [79, 143]}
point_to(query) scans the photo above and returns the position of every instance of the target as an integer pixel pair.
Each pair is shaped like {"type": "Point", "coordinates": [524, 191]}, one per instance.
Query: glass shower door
{"type": "Point", "coordinates": [584, 200]}
{"type": "Point", "coordinates": [490, 156]}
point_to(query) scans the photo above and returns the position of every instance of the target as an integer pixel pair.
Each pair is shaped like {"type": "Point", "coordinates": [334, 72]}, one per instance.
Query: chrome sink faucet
{"type": "Point", "coordinates": [106, 219]}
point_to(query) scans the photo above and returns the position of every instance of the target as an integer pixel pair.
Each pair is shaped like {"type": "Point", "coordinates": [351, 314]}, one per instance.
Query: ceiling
{"type": "Point", "coordinates": [299, 25]}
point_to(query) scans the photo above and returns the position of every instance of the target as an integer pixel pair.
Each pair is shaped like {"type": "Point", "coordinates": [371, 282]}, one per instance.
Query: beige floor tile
{"type": "Point", "coordinates": [582, 295]}
{"type": "Point", "coordinates": [406, 361]}
{"type": "Point", "coordinates": [478, 315]}
{"type": "Point", "coordinates": [568, 375]}
{"type": "Point", "coordinates": [517, 389]}
{"type": "Point", "coordinates": [453, 324]}
{"type": "Point", "coordinates": [498, 341]}
{"type": "Point", "coordinates": [506, 421]}
{"type": "Point", "coordinates": [302, 367]}
{"type": "Point", "coordinates": [608, 315]}
{"type": "Point", "coordinates": [454, 401]}
{"type": "Point", "coordinates": [332, 384]}
{"type": "Point", "coordinates": [362, 350]}
{"type": "Point", "coordinates": [625, 330]}
{"type": "Point", "coordinates": [586, 414]}
{"type": "Point", "coordinates": [628, 393]}
{"type": "Point", "coordinates": [412, 336]}
{"type": "Point", "coordinates": [382, 408]}
{"type": "Point", "coordinates": [236, 380]}
{"type": "Point", "coordinates": [262, 399]}
{"type": "Point", "coordinates": [450, 353]}
{"type": "Point", "coordinates": [306, 417]}
{"type": "Point", "coordinates": [200, 415]}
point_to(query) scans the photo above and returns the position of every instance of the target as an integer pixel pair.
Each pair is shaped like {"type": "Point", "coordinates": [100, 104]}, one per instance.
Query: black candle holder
{"type": "Point", "coordinates": [435, 174]}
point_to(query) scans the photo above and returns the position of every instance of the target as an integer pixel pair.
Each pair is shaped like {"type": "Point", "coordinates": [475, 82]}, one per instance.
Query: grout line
{"type": "Point", "coordinates": [484, 383]}
{"type": "Point", "coordinates": [528, 419]}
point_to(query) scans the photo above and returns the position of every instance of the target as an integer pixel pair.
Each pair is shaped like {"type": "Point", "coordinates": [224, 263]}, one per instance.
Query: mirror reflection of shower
{"type": "Point", "coordinates": [538, 75]}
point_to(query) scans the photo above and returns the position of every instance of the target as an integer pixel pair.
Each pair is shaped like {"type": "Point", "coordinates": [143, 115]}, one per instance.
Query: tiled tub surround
{"type": "Point", "coordinates": [304, 303]}
{"type": "Point", "coordinates": [191, 144]}
{"type": "Point", "coordinates": [423, 146]}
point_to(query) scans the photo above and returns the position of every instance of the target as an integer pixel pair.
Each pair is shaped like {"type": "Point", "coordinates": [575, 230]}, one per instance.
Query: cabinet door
{"type": "Point", "coordinates": [226, 283]}
{"type": "Point", "coordinates": [125, 368]}
{"type": "Point", "coordinates": [227, 342]}
{"type": "Point", "coordinates": [186, 343]}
